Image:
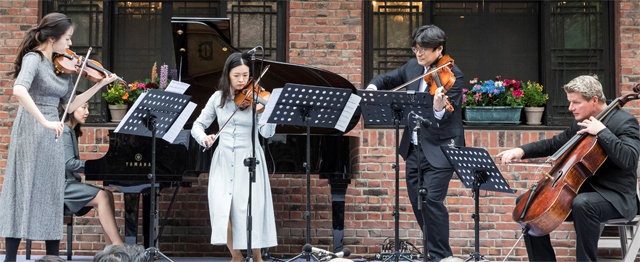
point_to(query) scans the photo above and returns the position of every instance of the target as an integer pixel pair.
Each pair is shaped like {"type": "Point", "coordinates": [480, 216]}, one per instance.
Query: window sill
{"type": "Point", "coordinates": [514, 127]}
{"type": "Point", "coordinates": [107, 125]}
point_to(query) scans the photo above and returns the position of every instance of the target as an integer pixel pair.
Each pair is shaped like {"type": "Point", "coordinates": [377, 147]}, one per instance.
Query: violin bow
{"type": "Point", "coordinates": [73, 92]}
{"type": "Point", "coordinates": [421, 76]}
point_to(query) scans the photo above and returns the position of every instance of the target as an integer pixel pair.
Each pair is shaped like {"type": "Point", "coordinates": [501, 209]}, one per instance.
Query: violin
{"type": "Point", "coordinates": [442, 78]}
{"type": "Point", "coordinates": [434, 78]}
{"type": "Point", "coordinates": [548, 203]}
{"type": "Point", "coordinates": [71, 63]}
{"type": "Point", "coordinates": [244, 97]}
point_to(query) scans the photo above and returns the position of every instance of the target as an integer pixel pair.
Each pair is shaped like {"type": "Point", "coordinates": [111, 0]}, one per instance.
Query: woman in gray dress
{"type": "Point", "coordinates": [33, 187]}
{"type": "Point", "coordinates": [228, 177]}
{"type": "Point", "coordinates": [80, 198]}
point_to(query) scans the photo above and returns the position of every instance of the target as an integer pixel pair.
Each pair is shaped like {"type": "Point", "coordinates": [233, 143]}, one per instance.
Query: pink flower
{"type": "Point", "coordinates": [516, 84]}
{"type": "Point", "coordinates": [518, 93]}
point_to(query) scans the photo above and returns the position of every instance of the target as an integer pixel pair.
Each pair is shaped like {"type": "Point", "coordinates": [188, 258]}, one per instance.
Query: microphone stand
{"type": "Point", "coordinates": [251, 163]}
{"type": "Point", "coordinates": [422, 194]}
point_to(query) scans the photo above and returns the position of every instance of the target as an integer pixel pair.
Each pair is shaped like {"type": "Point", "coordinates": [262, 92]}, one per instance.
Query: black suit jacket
{"type": "Point", "coordinates": [445, 131]}
{"type": "Point", "coordinates": [616, 180]}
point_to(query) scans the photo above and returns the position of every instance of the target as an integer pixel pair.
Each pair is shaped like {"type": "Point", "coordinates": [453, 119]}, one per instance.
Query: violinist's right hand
{"type": "Point", "coordinates": [511, 154]}
{"type": "Point", "coordinates": [208, 141]}
{"type": "Point", "coordinates": [55, 126]}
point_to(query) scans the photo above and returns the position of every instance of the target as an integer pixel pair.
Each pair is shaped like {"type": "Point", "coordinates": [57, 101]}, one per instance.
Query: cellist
{"type": "Point", "coordinates": [611, 192]}
{"type": "Point", "coordinates": [425, 161]}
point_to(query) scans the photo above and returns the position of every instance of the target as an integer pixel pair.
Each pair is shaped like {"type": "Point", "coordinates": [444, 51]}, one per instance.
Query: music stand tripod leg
{"type": "Point", "coordinates": [397, 255]}
{"type": "Point", "coordinates": [307, 165]}
{"type": "Point", "coordinates": [479, 179]}
{"type": "Point", "coordinates": [152, 252]}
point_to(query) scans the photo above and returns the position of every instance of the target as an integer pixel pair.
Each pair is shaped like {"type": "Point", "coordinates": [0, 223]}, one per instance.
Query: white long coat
{"type": "Point", "coordinates": [229, 178]}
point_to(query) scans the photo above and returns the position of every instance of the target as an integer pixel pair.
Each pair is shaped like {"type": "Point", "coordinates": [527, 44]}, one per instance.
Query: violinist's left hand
{"type": "Point", "coordinates": [591, 126]}
{"type": "Point", "coordinates": [107, 80]}
{"type": "Point", "coordinates": [438, 100]}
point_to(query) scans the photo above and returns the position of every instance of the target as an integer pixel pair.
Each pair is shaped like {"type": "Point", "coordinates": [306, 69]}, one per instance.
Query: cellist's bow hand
{"type": "Point", "coordinates": [509, 155]}
{"type": "Point", "coordinates": [591, 126]}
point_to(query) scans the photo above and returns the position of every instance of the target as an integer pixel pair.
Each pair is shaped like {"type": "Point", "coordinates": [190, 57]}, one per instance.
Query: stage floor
{"type": "Point", "coordinates": [176, 259]}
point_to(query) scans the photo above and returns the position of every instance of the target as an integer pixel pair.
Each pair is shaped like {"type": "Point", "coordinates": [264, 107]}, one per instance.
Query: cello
{"type": "Point", "coordinates": [548, 203]}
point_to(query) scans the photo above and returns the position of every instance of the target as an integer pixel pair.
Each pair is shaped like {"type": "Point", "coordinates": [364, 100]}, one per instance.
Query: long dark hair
{"type": "Point", "coordinates": [70, 119]}
{"type": "Point", "coordinates": [224, 85]}
{"type": "Point", "coordinates": [52, 26]}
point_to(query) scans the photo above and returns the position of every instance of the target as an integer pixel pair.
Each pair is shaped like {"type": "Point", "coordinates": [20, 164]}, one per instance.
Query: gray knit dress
{"type": "Point", "coordinates": [31, 200]}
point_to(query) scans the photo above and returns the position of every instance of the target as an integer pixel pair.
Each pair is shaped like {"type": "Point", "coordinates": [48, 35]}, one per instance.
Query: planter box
{"type": "Point", "coordinates": [492, 115]}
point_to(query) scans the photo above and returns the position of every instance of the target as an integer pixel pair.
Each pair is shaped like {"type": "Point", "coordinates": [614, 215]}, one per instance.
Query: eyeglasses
{"type": "Point", "coordinates": [418, 50]}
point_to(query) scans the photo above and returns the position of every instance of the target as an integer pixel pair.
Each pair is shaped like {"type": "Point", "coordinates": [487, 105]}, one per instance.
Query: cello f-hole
{"type": "Point", "coordinates": [557, 178]}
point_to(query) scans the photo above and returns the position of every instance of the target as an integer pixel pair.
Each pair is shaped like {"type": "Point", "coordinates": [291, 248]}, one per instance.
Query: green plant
{"type": "Point", "coordinates": [116, 94]}
{"type": "Point", "coordinates": [533, 95]}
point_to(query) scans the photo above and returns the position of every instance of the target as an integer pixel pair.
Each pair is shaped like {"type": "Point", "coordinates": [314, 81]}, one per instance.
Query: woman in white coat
{"type": "Point", "coordinates": [228, 177]}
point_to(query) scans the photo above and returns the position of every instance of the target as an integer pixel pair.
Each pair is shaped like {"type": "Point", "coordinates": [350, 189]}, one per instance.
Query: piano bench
{"type": "Point", "coordinates": [68, 220]}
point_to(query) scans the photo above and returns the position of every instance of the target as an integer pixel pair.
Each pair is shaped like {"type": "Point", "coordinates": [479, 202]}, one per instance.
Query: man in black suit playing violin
{"type": "Point", "coordinates": [424, 159]}
{"type": "Point", "coordinates": [611, 192]}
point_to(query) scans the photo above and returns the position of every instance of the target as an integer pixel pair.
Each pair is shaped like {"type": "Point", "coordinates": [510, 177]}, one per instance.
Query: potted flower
{"type": "Point", "coordinates": [118, 99]}
{"type": "Point", "coordinates": [496, 101]}
{"type": "Point", "coordinates": [534, 102]}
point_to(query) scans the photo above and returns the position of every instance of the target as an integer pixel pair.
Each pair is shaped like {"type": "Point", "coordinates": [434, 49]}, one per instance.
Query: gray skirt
{"type": "Point", "coordinates": [77, 195]}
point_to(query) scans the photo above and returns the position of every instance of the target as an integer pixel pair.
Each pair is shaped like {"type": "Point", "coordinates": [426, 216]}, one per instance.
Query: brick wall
{"type": "Point", "coordinates": [328, 34]}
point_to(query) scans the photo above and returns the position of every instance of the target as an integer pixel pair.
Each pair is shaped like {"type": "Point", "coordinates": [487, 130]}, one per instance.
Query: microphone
{"type": "Point", "coordinates": [248, 54]}
{"type": "Point", "coordinates": [421, 120]}
{"type": "Point", "coordinates": [321, 252]}
{"type": "Point", "coordinates": [344, 253]}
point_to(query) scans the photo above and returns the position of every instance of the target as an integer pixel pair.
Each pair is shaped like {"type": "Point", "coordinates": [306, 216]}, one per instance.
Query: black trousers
{"type": "Point", "coordinates": [588, 210]}
{"type": "Point", "coordinates": [436, 182]}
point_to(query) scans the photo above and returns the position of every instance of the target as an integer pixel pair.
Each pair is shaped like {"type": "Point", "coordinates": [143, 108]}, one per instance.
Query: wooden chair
{"type": "Point", "coordinates": [68, 220]}
{"type": "Point", "coordinates": [629, 235]}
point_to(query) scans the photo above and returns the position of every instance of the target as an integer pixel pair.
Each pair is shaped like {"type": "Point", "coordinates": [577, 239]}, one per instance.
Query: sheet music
{"type": "Point", "coordinates": [174, 130]}
{"type": "Point", "coordinates": [347, 112]}
{"type": "Point", "coordinates": [271, 104]}
{"type": "Point", "coordinates": [177, 87]}
{"type": "Point", "coordinates": [130, 111]}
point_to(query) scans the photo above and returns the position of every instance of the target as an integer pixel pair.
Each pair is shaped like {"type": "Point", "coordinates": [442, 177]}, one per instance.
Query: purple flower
{"type": "Point", "coordinates": [164, 71]}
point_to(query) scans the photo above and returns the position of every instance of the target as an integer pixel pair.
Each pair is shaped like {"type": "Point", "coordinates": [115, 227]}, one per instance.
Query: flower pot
{"type": "Point", "coordinates": [117, 112]}
{"type": "Point", "coordinates": [534, 115]}
{"type": "Point", "coordinates": [492, 115]}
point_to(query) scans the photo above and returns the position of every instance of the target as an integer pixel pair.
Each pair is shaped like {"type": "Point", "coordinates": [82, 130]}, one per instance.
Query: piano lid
{"type": "Point", "coordinates": [202, 46]}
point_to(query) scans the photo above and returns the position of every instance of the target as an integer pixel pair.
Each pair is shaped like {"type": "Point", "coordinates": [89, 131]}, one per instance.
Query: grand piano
{"type": "Point", "coordinates": [201, 46]}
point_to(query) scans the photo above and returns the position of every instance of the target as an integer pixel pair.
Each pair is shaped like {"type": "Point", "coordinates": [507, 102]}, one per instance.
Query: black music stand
{"type": "Point", "coordinates": [477, 170]}
{"type": "Point", "coordinates": [156, 113]}
{"type": "Point", "coordinates": [386, 108]}
{"type": "Point", "coordinates": [317, 106]}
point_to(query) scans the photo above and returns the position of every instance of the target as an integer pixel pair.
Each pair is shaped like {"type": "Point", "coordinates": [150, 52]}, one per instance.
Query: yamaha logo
{"type": "Point", "coordinates": [138, 157]}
